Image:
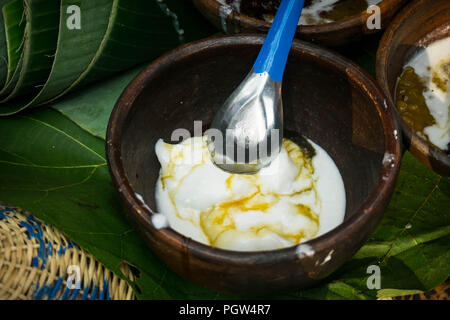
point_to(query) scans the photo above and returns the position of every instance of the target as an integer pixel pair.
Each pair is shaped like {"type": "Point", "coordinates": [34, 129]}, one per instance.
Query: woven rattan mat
{"type": "Point", "coordinates": [39, 262]}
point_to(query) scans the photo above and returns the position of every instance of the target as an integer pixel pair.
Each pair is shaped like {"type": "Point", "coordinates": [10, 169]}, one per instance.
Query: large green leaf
{"type": "Point", "coordinates": [52, 163]}
{"type": "Point", "coordinates": [94, 117]}
{"type": "Point", "coordinates": [68, 64]}
{"type": "Point", "coordinates": [3, 48]}
{"type": "Point", "coordinates": [58, 171]}
{"type": "Point", "coordinates": [130, 37]}
{"type": "Point", "coordinates": [39, 45]}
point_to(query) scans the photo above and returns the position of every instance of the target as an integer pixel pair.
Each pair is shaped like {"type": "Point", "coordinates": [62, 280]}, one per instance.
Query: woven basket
{"type": "Point", "coordinates": [39, 262]}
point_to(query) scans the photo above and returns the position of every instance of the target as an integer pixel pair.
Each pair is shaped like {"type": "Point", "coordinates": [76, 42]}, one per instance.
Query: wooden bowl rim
{"type": "Point", "coordinates": [422, 146]}
{"type": "Point", "coordinates": [376, 199]}
{"type": "Point", "coordinates": [347, 23]}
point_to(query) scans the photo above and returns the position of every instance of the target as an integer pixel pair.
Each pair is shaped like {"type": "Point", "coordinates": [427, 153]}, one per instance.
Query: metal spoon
{"type": "Point", "coordinates": [247, 131]}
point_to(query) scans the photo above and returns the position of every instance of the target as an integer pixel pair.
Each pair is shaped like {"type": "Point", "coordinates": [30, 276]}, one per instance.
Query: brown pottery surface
{"type": "Point", "coordinates": [326, 98]}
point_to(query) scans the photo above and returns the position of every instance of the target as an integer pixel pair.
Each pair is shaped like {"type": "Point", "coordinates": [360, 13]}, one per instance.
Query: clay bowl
{"type": "Point", "coordinates": [326, 98]}
{"type": "Point", "coordinates": [331, 34]}
{"type": "Point", "coordinates": [419, 24]}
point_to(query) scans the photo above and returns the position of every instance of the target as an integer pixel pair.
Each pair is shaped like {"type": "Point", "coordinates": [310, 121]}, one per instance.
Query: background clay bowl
{"type": "Point", "coordinates": [330, 34]}
{"type": "Point", "coordinates": [417, 25]}
{"type": "Point", "coordinates": [326, 98]}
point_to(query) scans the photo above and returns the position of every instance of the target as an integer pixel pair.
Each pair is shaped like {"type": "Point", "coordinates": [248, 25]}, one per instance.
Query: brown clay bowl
{"type": "Point", "coordinates": [331, 34]}
{"type": "Point", "coordinates": [326, 98]}
{"type": "Point", "coordinates": [417, 25]}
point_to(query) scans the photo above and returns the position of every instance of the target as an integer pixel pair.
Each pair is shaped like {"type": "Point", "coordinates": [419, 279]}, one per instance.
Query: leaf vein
{"type": "Point", "coordinates": [65, 134]}
{"type": "Point", "coordinates": [409, 221]}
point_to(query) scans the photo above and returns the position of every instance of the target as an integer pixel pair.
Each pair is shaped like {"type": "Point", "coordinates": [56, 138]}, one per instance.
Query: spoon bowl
{"type": "Point", "coordinates": [248, 129]}
{"type": "Point", "coordinates": [248, 126]}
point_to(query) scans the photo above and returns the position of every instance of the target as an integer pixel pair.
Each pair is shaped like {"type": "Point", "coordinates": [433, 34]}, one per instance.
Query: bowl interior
{"type": "Point", "coordinates": [418, 25]}
{"type": "Point", "coordinates": [322, 100]}
{"type": "Point", "coordinates": [425, 25]}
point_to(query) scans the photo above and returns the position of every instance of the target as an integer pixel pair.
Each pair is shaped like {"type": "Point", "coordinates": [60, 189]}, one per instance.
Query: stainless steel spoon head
{"type": "Point", "coordinates": [247, 131]}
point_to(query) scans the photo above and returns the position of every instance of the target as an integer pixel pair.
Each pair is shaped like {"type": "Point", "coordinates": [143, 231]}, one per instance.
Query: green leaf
{"type": "Point", "coordinates": [38, 47]}
{"type": "Point", "coordinates": [53, 168]}
{"type": "Point", "coordinates": [94, 117]}
{"type": "Point", "coordinates": [114, 35]}
{"type": "Point", "coordinates": [134, 29]}
{"type": "Point", "coordinates": [387, 293]}
{"type": "Point", "coordinates": [13, 16]}
{"type": "Point", "coordinates": [68, 64]}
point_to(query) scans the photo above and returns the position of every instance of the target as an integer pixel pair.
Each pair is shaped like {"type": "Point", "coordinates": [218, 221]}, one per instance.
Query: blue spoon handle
{"type": "Point", "coordinates": [274, 53]}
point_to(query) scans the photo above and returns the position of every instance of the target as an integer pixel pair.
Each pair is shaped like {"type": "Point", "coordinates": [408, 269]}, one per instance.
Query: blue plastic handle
{"type": "Point", "coordinates": [274, 53]}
